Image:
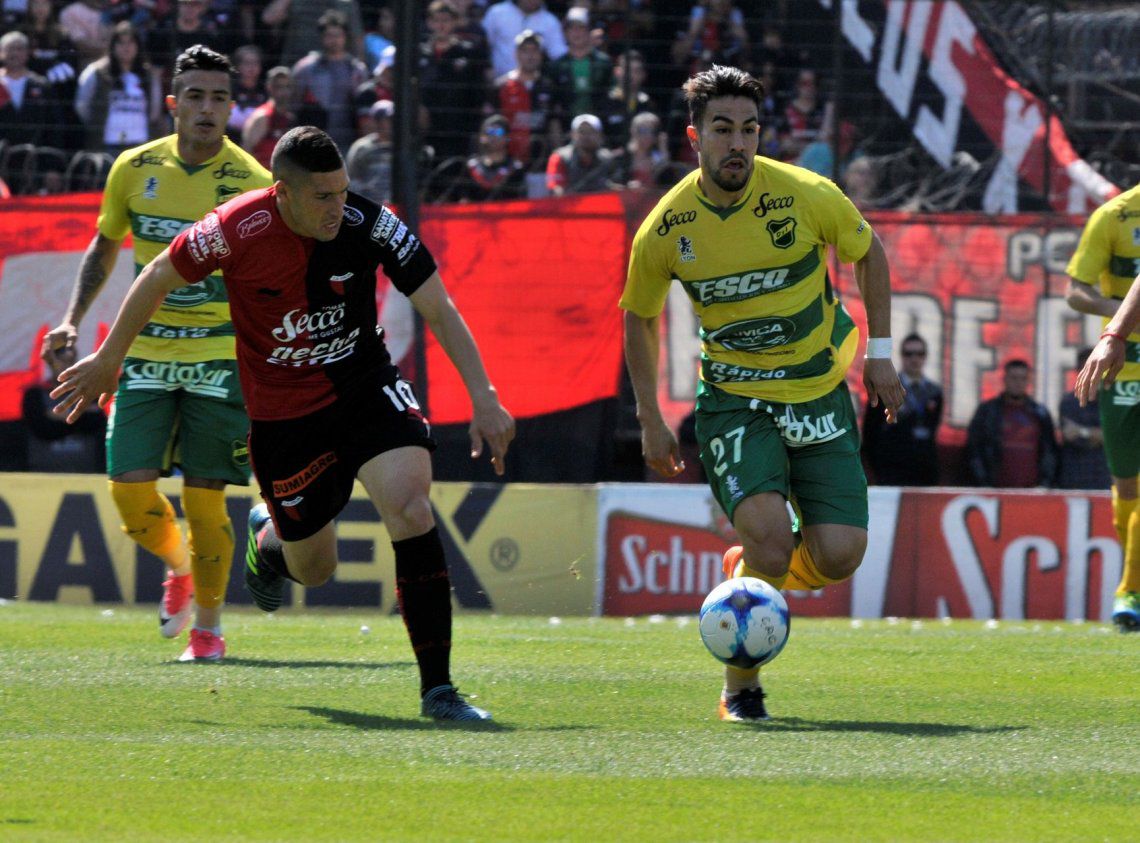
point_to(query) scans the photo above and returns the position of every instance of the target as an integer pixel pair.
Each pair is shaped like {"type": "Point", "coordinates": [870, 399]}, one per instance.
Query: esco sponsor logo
{"type": "Point", "coordinates": [740, 286]}
{"type": "Point", "coordinates": [670, 219]}
{"type": "Point", "coordinates": [767, 204]}
{"type": "Point", "coordinates": [352, 216]}
{"type": "Point", "coordinates": [293, 325]}
{"type": "Point", "coordinates": [159, 228]}
{"type": "Point", "coordinates": [255, 222]}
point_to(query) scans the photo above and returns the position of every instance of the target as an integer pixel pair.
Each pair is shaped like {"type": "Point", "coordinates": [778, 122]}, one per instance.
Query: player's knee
{"type": "Point", "coordinates": [768, 550]}
{"type": "Point", "coordinates": [410, 516]}
{"type": "Point", "coordinates": [838, 557]}
{"type": "Point", "coordinates": [313, 572]}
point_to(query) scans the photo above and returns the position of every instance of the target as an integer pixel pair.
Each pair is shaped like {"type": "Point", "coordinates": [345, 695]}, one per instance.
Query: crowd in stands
{"type": "Point", "coordinates": [518, 97]}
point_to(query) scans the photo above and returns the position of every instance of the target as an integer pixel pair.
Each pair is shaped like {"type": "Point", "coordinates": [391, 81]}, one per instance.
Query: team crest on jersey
{"type": "Point", "coordinates": [150, 188]}
{"type": "Point", "coordinates": [685, 247]}
{"type": "Point", "coordinates": [782, 232]}
{"type": "Point", "coordinates": [224, 193]}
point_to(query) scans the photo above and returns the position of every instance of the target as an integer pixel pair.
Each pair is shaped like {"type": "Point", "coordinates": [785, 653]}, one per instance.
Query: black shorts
{"type": "Point", "coordinates": [306, 466]}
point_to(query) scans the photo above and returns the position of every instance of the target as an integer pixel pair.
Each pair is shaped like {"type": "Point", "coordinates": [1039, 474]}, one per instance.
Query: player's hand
{"type": "Point", "coordinates": [883, 386]}
{"type": "Point", "coordinates": [91, 379]}
{"type": "Point", "coordinates": [660, 449]}
{"type": "Point", "coordinates": [1102, 367]}
{"type": "Point", "coordinates": [58, 347]}
{"type": "Point", "coordinates": [490, 422]}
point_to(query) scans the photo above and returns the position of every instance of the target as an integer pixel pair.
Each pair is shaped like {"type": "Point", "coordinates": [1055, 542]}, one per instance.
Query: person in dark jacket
{"type": "Point", "coordinates": [1011, 442]}
{"type": "Point", "coordinates": [905, 453]}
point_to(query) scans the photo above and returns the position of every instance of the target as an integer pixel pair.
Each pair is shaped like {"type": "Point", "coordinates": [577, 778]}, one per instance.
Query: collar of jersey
{"type": "Point", "coordinates": [725, 213]}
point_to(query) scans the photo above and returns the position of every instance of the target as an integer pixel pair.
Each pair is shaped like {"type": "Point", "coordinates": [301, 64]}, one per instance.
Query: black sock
{"type": "Point", "coordinates": [423, 590]}
{"type": "Point", "coordinates": [270, 552]}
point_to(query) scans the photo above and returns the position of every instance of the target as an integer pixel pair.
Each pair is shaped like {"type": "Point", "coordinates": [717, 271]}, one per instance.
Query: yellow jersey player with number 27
{"type": "Point", "coordinates": [747, 238]}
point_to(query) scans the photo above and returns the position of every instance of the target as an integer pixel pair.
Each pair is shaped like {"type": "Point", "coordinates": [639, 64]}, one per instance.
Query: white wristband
{"type": "Point", "coordinates": [878, 348]}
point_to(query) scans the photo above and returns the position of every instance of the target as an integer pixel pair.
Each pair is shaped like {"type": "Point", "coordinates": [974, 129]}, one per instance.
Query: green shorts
{"type": "Point", "coordinates": [189, 415]}
{"type": "Point", "coordinates": [808, 452]}
{"type": "Point", "coordinates": [1120, 423]}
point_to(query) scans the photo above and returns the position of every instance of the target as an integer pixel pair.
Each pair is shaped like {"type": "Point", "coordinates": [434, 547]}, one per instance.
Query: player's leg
{"type": "Point", "coordinates": [140, 439]}
{"type": "Point", "coordinates": [743, 454]}
{"type": "Point", "coordinates": [1120, 418]}
{"type": "Point", "coordinates": [399, 483]}
{"type": "Point", "coordinates": [212, 453]}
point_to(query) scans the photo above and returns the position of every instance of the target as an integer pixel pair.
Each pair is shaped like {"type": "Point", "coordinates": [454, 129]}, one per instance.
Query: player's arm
{"type": "Point", "coordinates": [1085, 298]}
{"type": "Point", "coordinates": [489, 419]}
{"type": "Point", "coordinates": [873, 276]}
{"type": "Point", "coordinates": [93, 378]}
{"type": "Point", "coordinates": [1107, 357]}
{"type": "Point", "coordinates": [658, 442]}
{"type": "Point", "coordinates": [254, 130]}
{"type": "Point", "coordinates": [98, 263]}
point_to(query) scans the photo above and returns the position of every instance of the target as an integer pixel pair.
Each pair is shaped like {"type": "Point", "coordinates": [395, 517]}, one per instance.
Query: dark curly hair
{"type": "Point", "coordinates": [199, 57]}
{"type": "Point", "coordinates": [720, 81]}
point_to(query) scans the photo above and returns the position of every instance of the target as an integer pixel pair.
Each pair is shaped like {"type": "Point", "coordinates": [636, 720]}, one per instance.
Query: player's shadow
{"type": "Point", "coordinates": [882, 727]}
{"type": "Point", "coordinates": [373, 722]}
{"type": "Point", "coordinates": [276, 663]}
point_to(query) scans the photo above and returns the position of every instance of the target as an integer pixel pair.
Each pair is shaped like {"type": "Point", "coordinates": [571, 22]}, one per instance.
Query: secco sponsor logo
{"type": "Point", "coordinates": [254, 223]}
{"type": "Point", "coordinates": [295, 323]}
{"type": "Point", "coordinates": [653, 566]}
{"type": "Point", "coordinates": [670, 219]}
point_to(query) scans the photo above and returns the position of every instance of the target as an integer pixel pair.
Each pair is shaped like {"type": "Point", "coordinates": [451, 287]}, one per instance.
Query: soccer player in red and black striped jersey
{"type": "Point", "coordinates": [325, 402]}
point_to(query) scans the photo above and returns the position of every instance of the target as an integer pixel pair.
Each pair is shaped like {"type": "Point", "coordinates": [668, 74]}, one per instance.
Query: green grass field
{"type": "Point", "coordinates": [605, 730]}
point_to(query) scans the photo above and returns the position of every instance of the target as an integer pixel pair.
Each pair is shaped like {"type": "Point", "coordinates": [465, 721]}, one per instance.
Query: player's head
{"type": "Point", "coordinates": [312, 184]}
{"type": "Point", "coordinates": [201, 95]}
{"type": "Point", "coordinates": [724, 117]}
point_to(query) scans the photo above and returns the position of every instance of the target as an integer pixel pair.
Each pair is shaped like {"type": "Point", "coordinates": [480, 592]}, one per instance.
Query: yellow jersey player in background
{"type": "Point", "coordinates": [1101, 273]}
{"type": "Point", "coordinates": [747, 238]}
{"type": "Point", "coordinates": [178, 401]}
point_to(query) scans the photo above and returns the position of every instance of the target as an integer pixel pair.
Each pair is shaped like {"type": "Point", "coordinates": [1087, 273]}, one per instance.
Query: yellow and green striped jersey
{"type": "Point", "coordinates": [1108, 258]}
{"type": "Point", "coordinates": [153, 195]}
{"type": "Point", "coordinates": [771, 325]}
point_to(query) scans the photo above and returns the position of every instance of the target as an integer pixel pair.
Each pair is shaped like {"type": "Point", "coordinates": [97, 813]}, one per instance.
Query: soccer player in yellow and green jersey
{"type": "Point", "coordinates": [747, 238]}
{"type": "Point", "coordinates": [178, 400]}
{"type": "Point", "coordinates": [1101, 272]}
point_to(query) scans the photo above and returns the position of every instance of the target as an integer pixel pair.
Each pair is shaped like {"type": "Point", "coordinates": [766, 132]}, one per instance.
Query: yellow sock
{"type": "Point", "coordinates": [148, 518]}
{"type": "Point", "coordinates": [1122, 509]}
{"type": "Point", "coordinates": [211, 543]}
{"type": "Point", "coordinates": [1130, 581]}
{"type": "Point", "coordinates": [803, 575]}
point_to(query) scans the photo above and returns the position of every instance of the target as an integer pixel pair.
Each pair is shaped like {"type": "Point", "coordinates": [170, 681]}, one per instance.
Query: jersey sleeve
{"type": "Point", "coordinates": [841, 223]}
{"type": "Point", "coordinates": [647, 282]}
{"type": "Point", "coordinates": [1093, 251]}
{"type": "Point", "coordinates": [200, 250]}
{"type": "Point", "coordinates": [402, 255]}
{"type": "Point", "coordinates": [114, 223]}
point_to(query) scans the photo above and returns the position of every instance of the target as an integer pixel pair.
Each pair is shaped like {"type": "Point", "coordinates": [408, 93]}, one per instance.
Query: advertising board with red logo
{"type": "Point", "coordinates": [959, 553]}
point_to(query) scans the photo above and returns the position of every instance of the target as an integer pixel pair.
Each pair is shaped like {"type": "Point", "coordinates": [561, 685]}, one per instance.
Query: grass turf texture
{"type": "Point", "coordinates": [605, 730]}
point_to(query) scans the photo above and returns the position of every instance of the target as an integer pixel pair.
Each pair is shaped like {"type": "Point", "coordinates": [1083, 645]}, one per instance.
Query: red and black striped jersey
{"type": "Point", "coordinates": [303, 310]}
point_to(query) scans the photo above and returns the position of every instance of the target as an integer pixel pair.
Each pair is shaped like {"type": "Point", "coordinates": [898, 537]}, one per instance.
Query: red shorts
{"type": "Point", "coordinates": [306, 466]}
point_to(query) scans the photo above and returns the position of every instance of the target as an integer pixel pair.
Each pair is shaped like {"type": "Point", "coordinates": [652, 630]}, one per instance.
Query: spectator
{"type": "Point", "coordinates": [582, 76]}
{"type": "Point", "coordinates": [27, 114]}
{"type": "Point", "coordinates": [189, 26]}
{"type": "Point", "coordinates": [369, 160]}
{"type": "Point", "coordinates": [1010, 442]}
{"type": "Point", "coordinates": [382, 85]}
{"type": "Point", "coordinates": [583, 165]}
{"type": "Point", "coordinates": [382, 36]}
{"type": "Point", "coordinates": [273, 118]}
{"type": "Point", "coordinates": [803, 117]}
{"type": "Point", "coordinates": [906, 453]}
{"type": "Point", "coordinates": [326, 80]}
{"type": "Point", "coordinates": [506, 20]}
{"type": "Point", "coordinates": [119, 95]}
{"type": "Point", "coordinates": [249, 92]}
{"type": "Point", "coordinates": [470, 28]}
{"type": "Point", "coordinates": [491, 173]}
{"type": "Point", "coordinates": [1083, 463]}
{"type": "Point", "coordinates": [452, 84]}
{"type": "Point", "coordinates": [715, 35]}
{"type": "Point", "coordinates": [53, 56]}
{"type": "Point", "coordinates": [300, 20]}
{"type": "Point", "coordinates": [83, 23]}
{"type": "Point", "coordinates": [52, 443]}
{"type": "Point", "coordinates": [645, 160]}
{"type": "Point", "coordinates": [525, 96]}
{"type": "Point", "coordinates": [860, 183]}
{"type": "Point", "coordinates": [626, 98]}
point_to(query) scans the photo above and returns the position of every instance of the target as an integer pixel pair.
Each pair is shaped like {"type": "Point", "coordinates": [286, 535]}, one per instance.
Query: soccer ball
{"type": "Point", "coordinates": [744, 622]}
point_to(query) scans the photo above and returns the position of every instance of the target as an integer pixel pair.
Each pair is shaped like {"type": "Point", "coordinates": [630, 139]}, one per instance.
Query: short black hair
{"type": "Point", "coordinates": [913, 337]}
{"type": "Point", "coordinates": [305, 149]}
{"type": "Point", "coordinates": [720, 81]}
{"type": "Point", "coordinates": [330, 19]}
{"type": "Point", "coordinates": [1015, 363]}
{"type": "Point", "coordinates": [199, 57]}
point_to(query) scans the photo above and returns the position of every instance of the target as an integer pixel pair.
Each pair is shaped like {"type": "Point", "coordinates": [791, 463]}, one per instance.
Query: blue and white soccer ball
{"type": "Point", "coordinates": [745, 622]}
